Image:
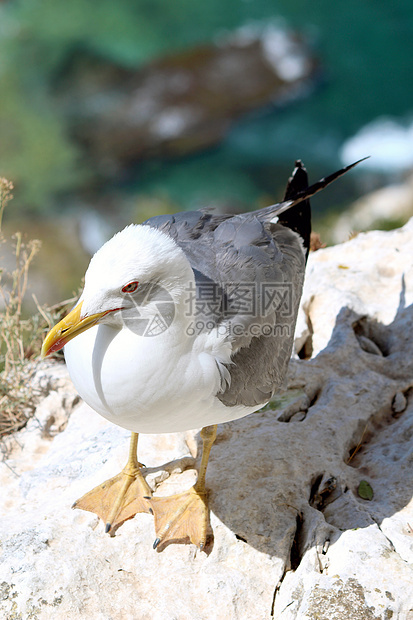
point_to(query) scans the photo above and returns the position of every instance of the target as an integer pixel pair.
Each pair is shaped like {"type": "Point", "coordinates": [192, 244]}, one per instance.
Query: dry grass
{"type": "Point", "coordinates": [20, 335]}
{"type": "Point", "coordinates": [315, 242]}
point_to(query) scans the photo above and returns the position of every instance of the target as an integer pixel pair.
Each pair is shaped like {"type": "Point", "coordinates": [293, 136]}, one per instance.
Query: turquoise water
{"type": "Point", "coordinates": [366, 54]}
{"type": "Point", "coordinates": [365, 49]}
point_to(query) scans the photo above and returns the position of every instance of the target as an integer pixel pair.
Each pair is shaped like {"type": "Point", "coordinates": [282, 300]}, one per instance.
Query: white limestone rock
{"type": "Point", "coordinates": [293, 538]}
{"type": "Point", "coordinates": [372, 274]}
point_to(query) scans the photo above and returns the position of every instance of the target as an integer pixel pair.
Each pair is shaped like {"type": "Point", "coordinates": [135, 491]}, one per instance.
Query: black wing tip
{"type": "Point", "coordinates": [357, 162]}
{"type": "Point", "coordinates": [295, 211]}
{"type": "Point", "coordinates": [298, 218]}
{"type": "Point", "coordinates": [350, 166]}
{"type": "Point", "coordinates": [298, 181]}
{"type": "Point", "coordinates": [323, 183]}
{"type": "Point", "coordinates": [299, 164]}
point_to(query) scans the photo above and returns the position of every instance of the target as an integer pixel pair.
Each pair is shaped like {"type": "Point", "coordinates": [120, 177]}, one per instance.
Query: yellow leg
{"type": "Point", "coordinates": [186, 515]}
{"type": "Point", "coordinates": [120, 498]}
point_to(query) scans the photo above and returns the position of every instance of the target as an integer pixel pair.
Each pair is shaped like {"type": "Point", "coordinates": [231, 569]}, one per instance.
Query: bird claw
{"type": "Point", "coordinates": [181, 517]}
{"type": "Point", "coordinates": [116, 500]}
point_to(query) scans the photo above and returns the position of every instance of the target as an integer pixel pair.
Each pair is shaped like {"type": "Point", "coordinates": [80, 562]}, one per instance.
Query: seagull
{"type": "Point", "coordinates": [186, 321]}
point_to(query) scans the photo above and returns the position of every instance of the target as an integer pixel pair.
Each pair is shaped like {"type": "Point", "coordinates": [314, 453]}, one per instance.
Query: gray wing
{"type": "Point", "coordinates": [236, 256]}
{"type": "Point", "coordinates": [271, 265]}
{"type": "Point", "coordinates": [249, 275]}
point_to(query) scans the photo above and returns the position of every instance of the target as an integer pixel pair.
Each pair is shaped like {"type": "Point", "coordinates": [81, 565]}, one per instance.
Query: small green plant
{"type": "Point", "coordinates": [21, 334]}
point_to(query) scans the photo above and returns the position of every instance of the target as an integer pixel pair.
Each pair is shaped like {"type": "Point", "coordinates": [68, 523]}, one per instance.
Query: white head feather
{"type": "Point", "coordinates": [137, 253]}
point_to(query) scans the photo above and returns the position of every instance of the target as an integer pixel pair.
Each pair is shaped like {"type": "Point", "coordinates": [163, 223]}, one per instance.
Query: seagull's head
{"type": "Point", "coordinates": [133, 269]}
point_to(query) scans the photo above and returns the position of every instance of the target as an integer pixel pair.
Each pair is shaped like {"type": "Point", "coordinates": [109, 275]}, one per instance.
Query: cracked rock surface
{"type": "Point", "coordinates": [311, 498]}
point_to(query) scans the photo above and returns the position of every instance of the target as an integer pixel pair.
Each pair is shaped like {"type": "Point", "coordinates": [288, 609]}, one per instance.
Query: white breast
{"type": "Point", "coordinates": [148, 384]}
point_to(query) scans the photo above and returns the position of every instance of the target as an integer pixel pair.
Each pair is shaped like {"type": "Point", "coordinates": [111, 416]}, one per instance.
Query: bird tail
{"type": "Point", "coordinates": [297, 195]}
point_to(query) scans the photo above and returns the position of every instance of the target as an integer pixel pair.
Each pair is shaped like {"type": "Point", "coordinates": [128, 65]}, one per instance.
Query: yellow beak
{"type": "Point", "coordinates": [69, 327]}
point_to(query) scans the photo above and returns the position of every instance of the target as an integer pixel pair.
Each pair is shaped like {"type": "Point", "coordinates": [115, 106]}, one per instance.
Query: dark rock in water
{"type": "Point", "coordinates": [183, 102]}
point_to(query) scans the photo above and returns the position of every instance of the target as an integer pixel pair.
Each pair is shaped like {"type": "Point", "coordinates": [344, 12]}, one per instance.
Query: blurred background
{"type": "Point", "coordinates": [111, 112]}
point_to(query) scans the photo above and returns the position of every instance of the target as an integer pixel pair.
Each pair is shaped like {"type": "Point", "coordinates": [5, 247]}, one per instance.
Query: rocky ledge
{"type": "Point", "coordinates": [310, 497]}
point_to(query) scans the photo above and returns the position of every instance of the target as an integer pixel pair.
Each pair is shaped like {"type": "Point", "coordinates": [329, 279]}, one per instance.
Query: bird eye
{"type": "Point", "coordinates": [131, 287]}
